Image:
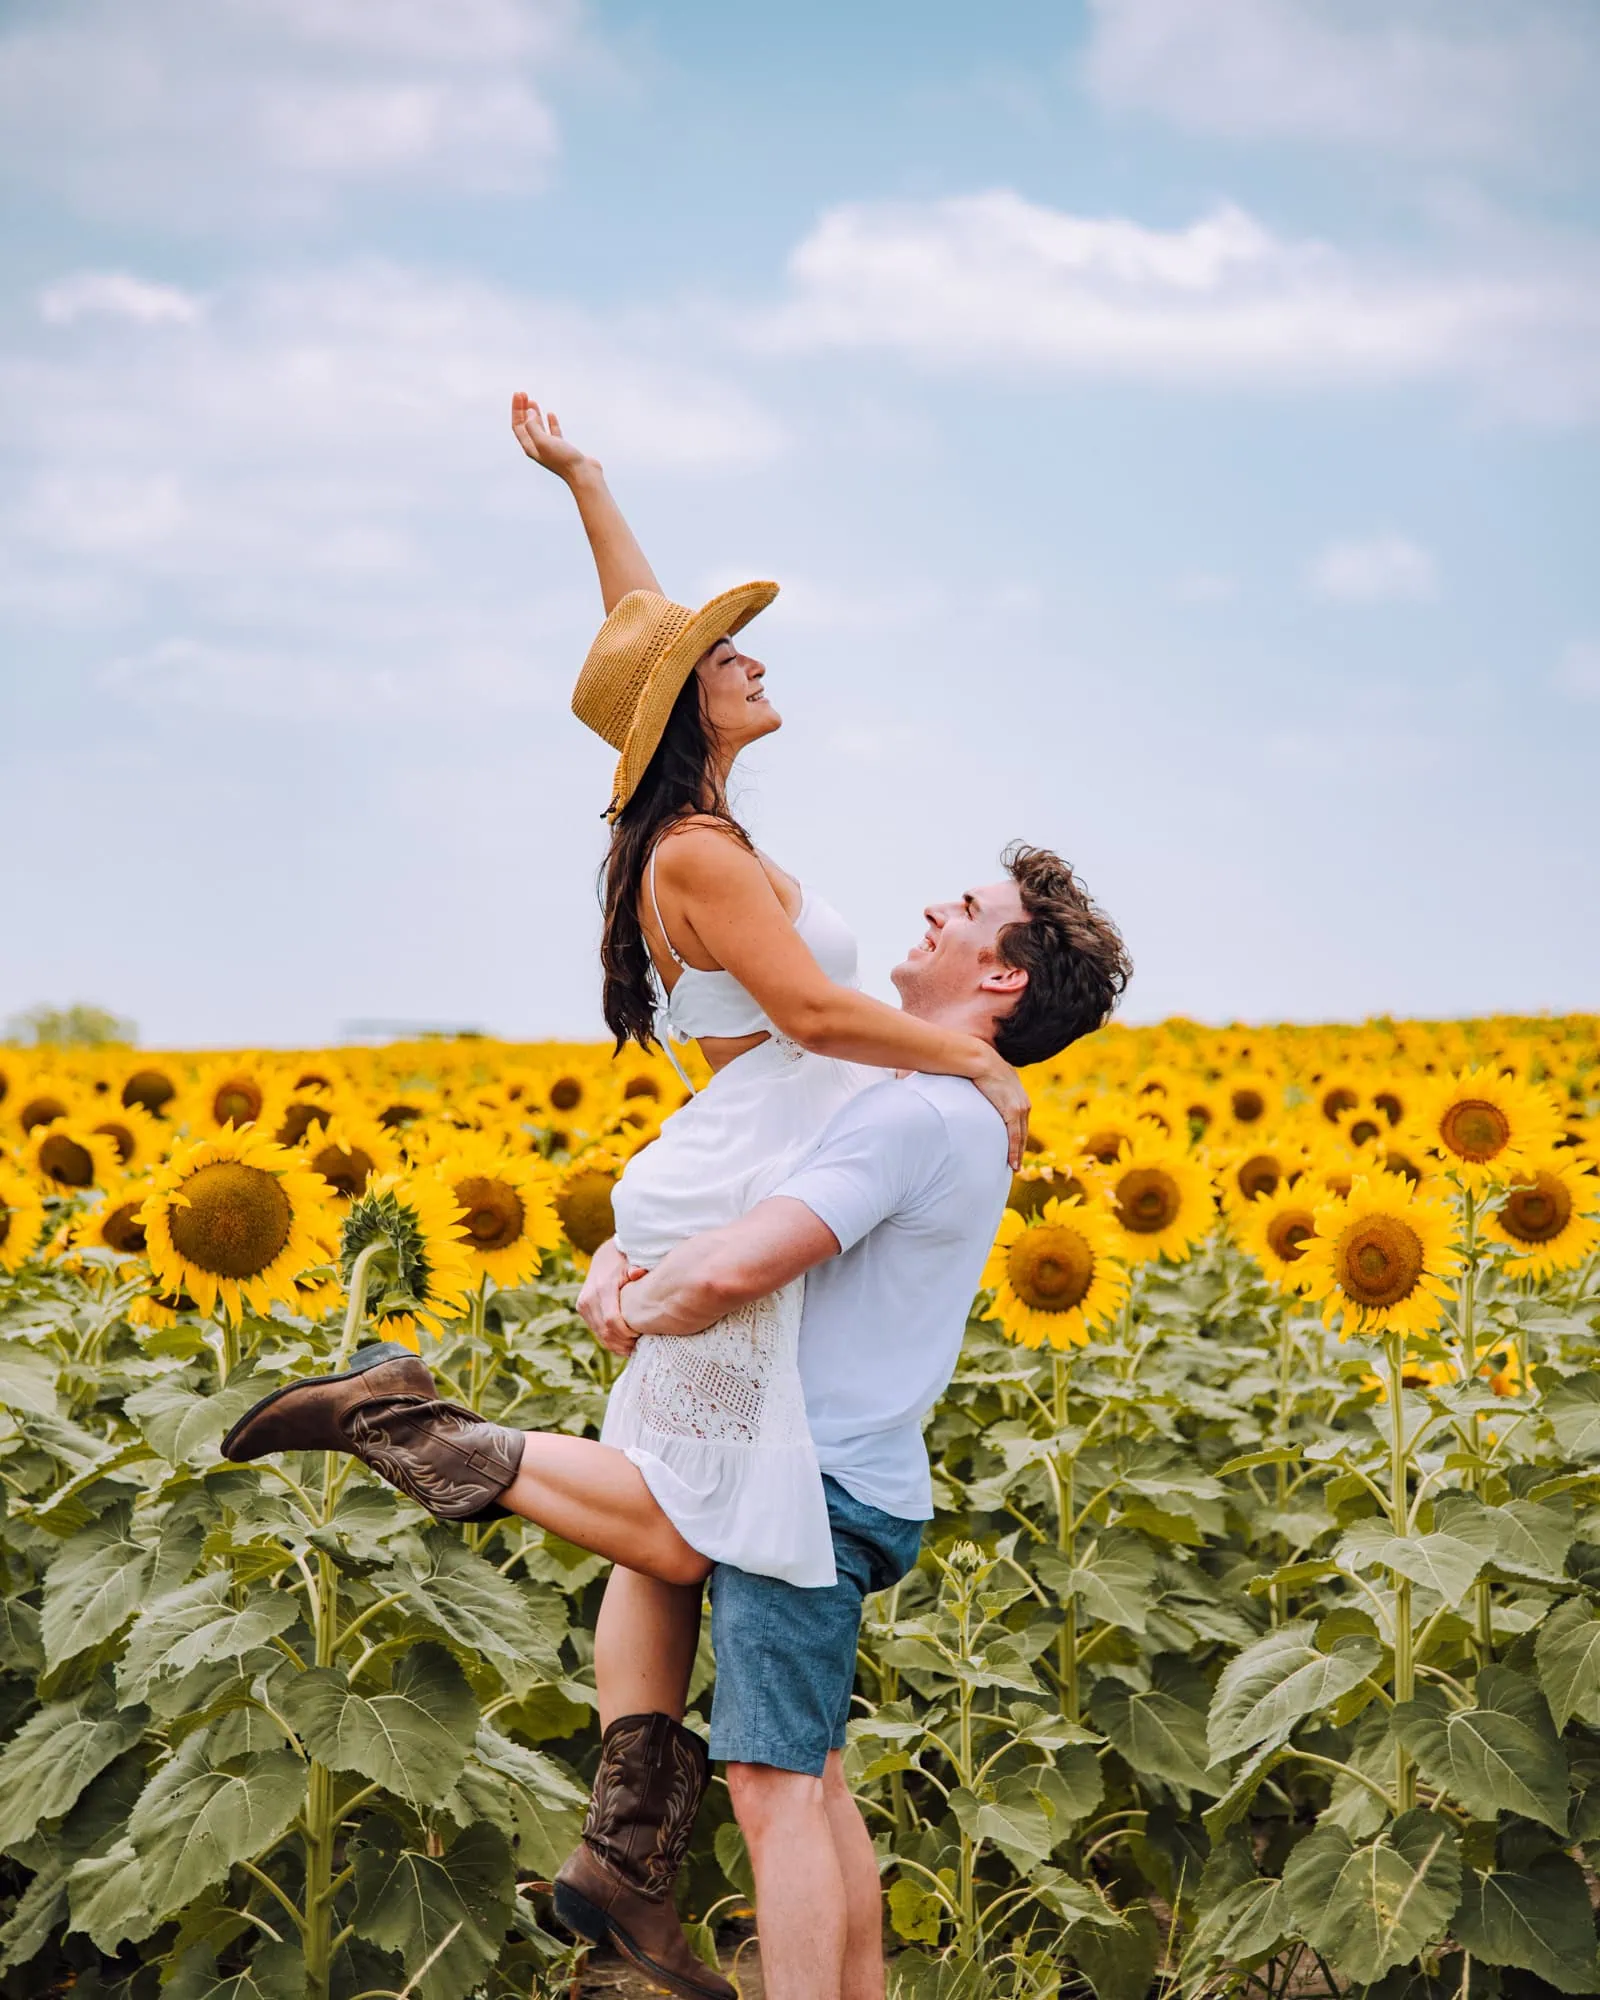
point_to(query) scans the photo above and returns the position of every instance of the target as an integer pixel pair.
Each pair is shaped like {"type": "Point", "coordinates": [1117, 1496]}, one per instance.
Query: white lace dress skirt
{"type": "Point", "coordinates": [716, 1421]}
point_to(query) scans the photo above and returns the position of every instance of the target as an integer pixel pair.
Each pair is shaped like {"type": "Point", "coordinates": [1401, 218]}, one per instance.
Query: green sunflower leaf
{"type": "Point", "coordinates": [1370, 1907]}
{"type": "Point", "coordinates": [457, 1905]}
{"type": "Point", "coordinates": [1502, 1755]}
{"type": "Point", "coordinates": [1537, 1917]}
{"type": "Point", "coordinates": [193, 1821]}
{"type": "Point", "coordinates": [54, 1755]}
{"type": "Point", "coordinates": [1265, 1690]}
{"type": "Point", "coordinates": [95, 1585]}
{"type": "Point", "coordinates": [1567, 1653]}
{"type": "Point", "coordinates": [413, 1740]}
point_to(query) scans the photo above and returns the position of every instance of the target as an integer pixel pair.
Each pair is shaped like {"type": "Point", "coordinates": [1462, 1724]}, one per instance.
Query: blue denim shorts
{"type": "Point", "coordinates": [786, 1657]}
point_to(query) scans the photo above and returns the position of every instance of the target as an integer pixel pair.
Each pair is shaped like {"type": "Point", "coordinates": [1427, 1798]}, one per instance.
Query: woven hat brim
{"type": "Point", "coordinates": [728, 612]}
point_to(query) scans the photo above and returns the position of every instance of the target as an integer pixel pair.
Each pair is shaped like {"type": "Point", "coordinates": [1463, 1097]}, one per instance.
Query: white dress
{"type": "Point", "coordinates": [716, 1421]}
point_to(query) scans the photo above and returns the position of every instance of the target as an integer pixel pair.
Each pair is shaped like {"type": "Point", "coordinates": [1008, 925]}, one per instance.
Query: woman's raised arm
{"type": "Point", "coordinates": [735, 914]}
{"type": "Point", "coordinates": [617, 556]}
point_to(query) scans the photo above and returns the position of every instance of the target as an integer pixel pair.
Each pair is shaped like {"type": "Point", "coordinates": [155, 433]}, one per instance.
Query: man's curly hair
{"type": "Point", "coordinates": [1076, 962]}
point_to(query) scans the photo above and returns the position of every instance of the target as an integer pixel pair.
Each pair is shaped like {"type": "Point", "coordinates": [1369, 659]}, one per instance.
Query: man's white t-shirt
{"type": "Point", "coordinates": [911, 1176]}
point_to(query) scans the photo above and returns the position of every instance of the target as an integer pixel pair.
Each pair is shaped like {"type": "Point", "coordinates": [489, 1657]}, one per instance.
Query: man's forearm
{"type": "Point", "coordinates": [715, 1274]}
{"type": "Point", "coordinates": [684, 1293]}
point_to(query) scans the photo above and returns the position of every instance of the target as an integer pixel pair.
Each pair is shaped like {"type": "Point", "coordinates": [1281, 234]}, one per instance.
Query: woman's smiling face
{"type": "Point", "coordinates": [733, 697]}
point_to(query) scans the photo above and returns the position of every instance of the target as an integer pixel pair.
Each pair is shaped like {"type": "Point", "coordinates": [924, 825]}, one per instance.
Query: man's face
{"type": "Point", "coordinates": [957, 956]}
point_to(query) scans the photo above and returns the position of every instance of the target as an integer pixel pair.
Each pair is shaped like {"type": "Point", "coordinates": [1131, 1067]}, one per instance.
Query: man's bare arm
{"type": "Point", "coordinates": [724, 1269]}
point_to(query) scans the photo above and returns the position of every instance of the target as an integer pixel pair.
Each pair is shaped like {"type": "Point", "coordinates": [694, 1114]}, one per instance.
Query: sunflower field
{"type": "Point", "coordinates": [1255, 1647]}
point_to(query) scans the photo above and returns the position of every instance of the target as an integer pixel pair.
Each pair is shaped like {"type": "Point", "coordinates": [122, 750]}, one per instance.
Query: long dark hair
{"type": "Point", "coordinates": [681, 778]}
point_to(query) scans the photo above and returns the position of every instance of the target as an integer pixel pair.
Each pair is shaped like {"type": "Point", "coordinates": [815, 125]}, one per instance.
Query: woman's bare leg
{"type": "Point", "coordinates": [645, 1640]}
{"type": "Point", "coordinates": [591, 1494]}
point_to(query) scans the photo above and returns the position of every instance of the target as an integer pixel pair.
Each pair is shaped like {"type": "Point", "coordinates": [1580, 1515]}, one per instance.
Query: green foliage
{"type": "Point", "coordinates": [1228, 1653]}
{"type": "Point", "coordinates": [77, 1026]}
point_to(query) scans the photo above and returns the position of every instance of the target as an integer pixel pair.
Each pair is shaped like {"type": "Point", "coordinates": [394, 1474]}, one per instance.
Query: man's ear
{"type": "Point", "coordinates": [999, 977]}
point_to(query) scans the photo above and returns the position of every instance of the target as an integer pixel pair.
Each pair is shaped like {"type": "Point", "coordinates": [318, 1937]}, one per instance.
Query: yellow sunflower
{"type": "Point", "coordinates": [1109, 1124]}
{"type": "Point", "coordinates": [317, 1292]}
{"type": "Point", "coordinates": [157, 1311]}
{"type": "Point", "coordinates": [1403, 1152]}
{"type": "Point", "coordinates": [509, 1207]}
{"type": "Point", "coordinates": [235, 1220]}
{"type": "Point", "coordinates": [301, 1113]}
{"type": "Point", "coordinates": [1276, 1227]}
{"type": "Point", "coordinates": [1549, 1216]}
{"type": "Point", "coordinates": [348, 1151]}
{"type": "Point", "coordinates": [1162, 1199]}
{"type": "Point", "coordinates": [152, 1085]}
{"type": "Point", "coordinates": [431, 1272]}
{"type": "Point", "coordinates": [1042, 1177]}
{"type": "Point", "coordinates": [1337, 1094]}
{"type": "Point", "coordinates": [21, 1218]}
{"type": "Point", "coordinates": [113, 1222]}
{"type": "Point", "coordinates": [570, 1095]}
{"type": "Point", "coordinates": [45, 1099]}
{"type": "Point", "coordinates": [237, 1091]}
{"type": "Point", "coordinates": [1250, 1101]}
{"type": "Point", "coordinates": [583, 1201]}
{"type": "Point", "coordinates": [1484, 1126]}
{"type": "Point", "coordinates": [1056, 1276]}
{"type": "Point", "coordinates": [1393, 1097]}
{"type": "Point", "coordinates": [69, 1156]}
{"type": "Point", "coordinates": [139, 1139]}
{"type": "Point", "coordinates": [1384, 1257]}
{"type": "Point", "coordinates": [1244, 1173]}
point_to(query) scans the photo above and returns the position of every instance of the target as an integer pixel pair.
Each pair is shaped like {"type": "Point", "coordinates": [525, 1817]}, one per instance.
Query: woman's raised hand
{"type": "Point", "coordinates": [1001, 1084]}
{"type": "Point", "coordinates": [540, 437]}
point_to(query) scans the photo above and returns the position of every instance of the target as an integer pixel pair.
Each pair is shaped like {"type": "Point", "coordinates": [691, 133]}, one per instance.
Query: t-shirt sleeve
{"type": "Point", "coordinates": [877, 1156]}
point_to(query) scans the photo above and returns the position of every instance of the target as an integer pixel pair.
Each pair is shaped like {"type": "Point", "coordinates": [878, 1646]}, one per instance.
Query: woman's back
{"type": "Point", "coordinates": [757, 1117]}
{"type": "Point", "coordinates": [711, 1003]}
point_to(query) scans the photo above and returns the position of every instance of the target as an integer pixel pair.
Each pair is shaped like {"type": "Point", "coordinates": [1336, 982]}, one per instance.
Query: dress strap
{"type": "Point", "coordinates": [656, 906]}
{"type": "Point", "coordinates": [664, 1011]}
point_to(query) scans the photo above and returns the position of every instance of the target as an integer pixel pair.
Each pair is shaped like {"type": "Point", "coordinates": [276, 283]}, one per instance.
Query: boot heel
{"type": "Point", "coordinates": [583, 1918]}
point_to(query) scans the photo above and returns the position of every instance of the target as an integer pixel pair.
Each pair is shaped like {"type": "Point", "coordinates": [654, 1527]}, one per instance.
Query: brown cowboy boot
{"type": "Point", "coordinates": [616, 1887]}
{"type": "Point", "coordinates": [306, 1415]}
{"type": "Point", "coordinates": [385, 1412]}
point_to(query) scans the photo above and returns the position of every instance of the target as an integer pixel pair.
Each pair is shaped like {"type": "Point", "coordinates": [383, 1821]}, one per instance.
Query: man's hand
{"type": "Point", "coordinates": [600, 1301]}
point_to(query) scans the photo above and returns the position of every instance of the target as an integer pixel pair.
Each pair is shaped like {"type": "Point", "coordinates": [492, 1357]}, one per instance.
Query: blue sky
{"type": "Point", "coordinates": [1173, 427]}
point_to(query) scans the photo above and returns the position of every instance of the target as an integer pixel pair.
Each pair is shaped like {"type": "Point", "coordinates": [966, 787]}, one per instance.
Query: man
{"type": "Point", "coordinates": [892, 1216]}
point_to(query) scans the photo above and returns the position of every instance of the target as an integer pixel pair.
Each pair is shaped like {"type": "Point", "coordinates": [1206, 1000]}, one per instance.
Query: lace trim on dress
{"type": "Point", "coordinates": [736, 1383]}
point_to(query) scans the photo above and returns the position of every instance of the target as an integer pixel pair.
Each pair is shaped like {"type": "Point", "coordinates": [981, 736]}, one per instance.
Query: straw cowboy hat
{"type": "Point", "coordinates": [645, 651]}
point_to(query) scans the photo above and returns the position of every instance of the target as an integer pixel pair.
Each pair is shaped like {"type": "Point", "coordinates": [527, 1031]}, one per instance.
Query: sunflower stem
{"type": "Point", "coordinates": [356, 1311]}
{"type": "Point", "coordinates": [1467, 1320]}
{"type": "Point", "coordinates": [320, 1821]}
{"type": "Point", "coordinates": [1067, 1643]}
{"type": "Point", "coordinates": [1280, 1591]}
{"type": "Point", "coordinates": [1405, 1776]}
{"type": "Point", "coordinates": [228, 1344]}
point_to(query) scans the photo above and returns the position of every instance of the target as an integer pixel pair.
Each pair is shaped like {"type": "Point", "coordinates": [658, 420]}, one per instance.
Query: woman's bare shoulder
{"type": "Point", "coordinates": [698, 843]}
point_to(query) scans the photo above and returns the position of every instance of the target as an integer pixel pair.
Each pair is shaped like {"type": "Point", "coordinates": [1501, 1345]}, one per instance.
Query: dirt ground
{"type": "Point", "coordinates": [605, 1976]}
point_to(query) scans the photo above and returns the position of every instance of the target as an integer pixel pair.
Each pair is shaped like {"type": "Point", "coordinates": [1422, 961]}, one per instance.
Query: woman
{"type": "Point", "coordinates": [706, 937]}
{"type": "Point", "coordinates": [704, 1456]}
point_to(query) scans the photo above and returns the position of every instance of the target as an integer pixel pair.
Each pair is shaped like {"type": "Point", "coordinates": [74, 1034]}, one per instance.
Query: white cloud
{"type": "Point", "coordinates": [1386, 568]}
{"type": "Point", "coordinates": [243, 109]}
{"type": "Point", "coordinates": [1460, 79]}
{"type": "Point", "coordinates": [1578, 672]}
{"type": "Point", "coordinates": [996, 282]}
{"type": "Point", "coordinates": [294, 504]}
{"type": "Point", "coordinates": [317, 683]}
{"type": "Point", "coordinates": [118, 295]}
